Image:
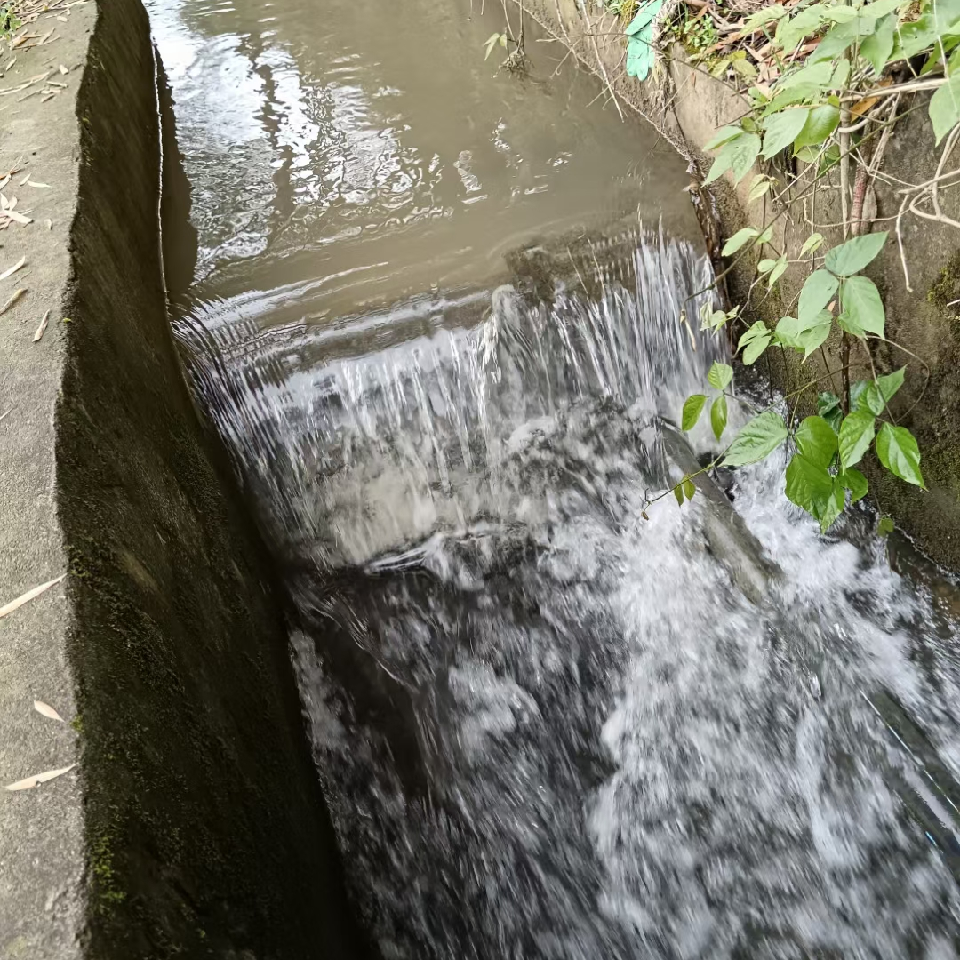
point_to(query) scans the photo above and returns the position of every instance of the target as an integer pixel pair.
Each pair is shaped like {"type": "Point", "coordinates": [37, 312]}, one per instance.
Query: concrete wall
{"type": "Point", "coordinates": [688, 106]}
{"type": "Point", "coordinates": [204, 831]}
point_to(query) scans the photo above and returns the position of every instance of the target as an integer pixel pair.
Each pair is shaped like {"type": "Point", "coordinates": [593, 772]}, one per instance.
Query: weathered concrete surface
{"type": "Point", "coordinates": [688, 106]}
{"type": "Point", "coordinates": [41, 830]}
{"type": "Point", "coordinates": [196, 826]}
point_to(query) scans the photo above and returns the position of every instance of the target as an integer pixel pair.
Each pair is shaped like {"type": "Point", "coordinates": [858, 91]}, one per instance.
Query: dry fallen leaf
{"type": "Point", "coordinates": [24, 180]}
{"type": "Point", "coordinates": [28, 596]}
{"type": "Point", "coordinates": [39, 186]}
{"type": "Point", "coordinates": [42, 328]}
{"type": "Point", "coordinates": [19, 217]}
{"type": "Point", "coordinates": [47, 710]}
{"type": "Point", "coordinates": [39, 778]}
{"type": "Point", "coordinates": [49, 224]}
{"type": "Point", "coordinates": [12, 270]}
{"type": "Point", "coordinates": [64, 70]}
{"type": "Point", "coordinates": [13, 298]}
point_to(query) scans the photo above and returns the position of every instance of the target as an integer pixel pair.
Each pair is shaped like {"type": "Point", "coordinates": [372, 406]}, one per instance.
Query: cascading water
{"type": "Point", "coordinates": [548, 726]}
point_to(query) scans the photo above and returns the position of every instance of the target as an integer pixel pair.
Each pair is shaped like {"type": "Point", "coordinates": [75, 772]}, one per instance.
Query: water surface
{"type": "Point", "coordinates": [437, 320]}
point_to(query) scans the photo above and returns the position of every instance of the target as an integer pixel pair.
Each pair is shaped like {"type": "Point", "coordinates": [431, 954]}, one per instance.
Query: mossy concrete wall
{"type": "Point", "coordinates": [688, 106]}
{"type": "Point", "coordinates": [194, 825]}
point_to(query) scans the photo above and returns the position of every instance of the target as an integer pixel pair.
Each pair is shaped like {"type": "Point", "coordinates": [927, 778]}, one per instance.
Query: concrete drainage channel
{"type": "Point", "coordinates": [193, 822]}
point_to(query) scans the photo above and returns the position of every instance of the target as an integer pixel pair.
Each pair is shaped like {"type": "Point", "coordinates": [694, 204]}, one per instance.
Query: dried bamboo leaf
{"type": "Point", "coordinates": [19, 217]}
{"type": "Point", "coordinates": [42, 328]}
{"type": "Point", "coordinates": [10, 271]}
{"type": "Point", "coordinates": [12, 299]}
{"type": "Point", "coordinates": [39, 778]}
{"type": "Point", "coordinates": [28, 596]}
{"type": "Point", "coordinates": [46, 710]}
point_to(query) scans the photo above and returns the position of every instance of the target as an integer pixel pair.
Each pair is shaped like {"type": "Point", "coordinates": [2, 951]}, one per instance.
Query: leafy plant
{"type": "Point", "coordinates": [492, 41]}
{"type": "Point", "coordinates": [9, 21]}
{"type": "Point", "coordinates": [842, 67]}
{"type": "Point", "coordinates": [829, 445]}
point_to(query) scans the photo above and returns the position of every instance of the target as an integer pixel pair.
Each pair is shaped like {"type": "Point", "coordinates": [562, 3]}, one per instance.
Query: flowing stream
{"type": "Point", "coordinates": [436, 318]}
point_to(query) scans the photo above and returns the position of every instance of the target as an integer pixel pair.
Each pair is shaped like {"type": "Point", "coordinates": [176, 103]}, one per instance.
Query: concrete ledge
{"type": "Point", "coordinates": [197, 826]}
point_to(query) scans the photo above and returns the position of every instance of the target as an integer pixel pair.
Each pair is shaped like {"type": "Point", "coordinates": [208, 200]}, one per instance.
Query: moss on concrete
{"type": "Point", "coordinates": [945, 292]}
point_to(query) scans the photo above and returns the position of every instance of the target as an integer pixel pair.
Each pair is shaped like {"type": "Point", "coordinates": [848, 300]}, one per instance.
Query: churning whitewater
{"type": "Point", "coordinates": [553, 721]}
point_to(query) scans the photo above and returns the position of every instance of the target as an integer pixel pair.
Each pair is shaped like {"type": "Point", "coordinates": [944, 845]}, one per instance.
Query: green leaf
{"type": "Point", "coordinates": [851, 257]}
{"type": "Point", "coordinates": [811, 488]}
{"type": "Point", "coordinates": [832, 507]}
{"type": "Point", "coordinates": [782, 129]}
{"type": "Point", "coordinates": [821, 123]}
{"type": "Point", "coordinates": [791, 32]}
{"type": "Point", "coordinates": [881, 8]}
{"type": "Point", "coordinates": [834, 45]}
{"type": "Point", "coordinates": [856, 432]}
{"type": "Point", "coordinates": [764, 237]}
{"type": "Point", "coordinates": [831, 157]}
{"type": "Point", "coordinates": [856, 392]}
{"type": "Point", "coordinates": [689, 489]}
{"type": "Point", "coordinates": [722, 136]}
{"type": "Point", "coordinates": [764, 16]}
{"type": "Point", "coordinates": [813, 243]}
{"type": "Point", "coordinates": [692, 408]}
{"type": "Point", "coordinates": [758, 439]}
{"type": "Point", "coordinates": [839, 14]}
{"type": "Point", "coordinates": [841, 75]}
{"type": "Point", "coordinates": [869, 399]}
{"type": "Point", "coordinates": [714, 320]}
{"type": "Point", "coordinates": [898, 452]}
{"type": "Point", "coordinates": [855, 482]}
{"type": "Point", "coordinates": [862, 307]}
{"type": "Point", "coordinates": [765, 266]}
{"type": "Point", "coordinates": [811, 75]}
{"type": "Point", "coordinates": [945, 108]}
{"type": "Point", "coordinates": [786, 98]}
{"type": "Point", "coordinates": [828, 406]}
{"type": "Point", "coordinates": [818, 290]}
{"type": "Point", "coordinates": [806, 336]}
{"type": "Point", "coordinates": [754, 341]}
{"type": "Point", "coordinates": [678, 493]}
{"type": "Point", "coordinates": [739, 239]}
{"type": "Point", "coordinates": [779, 269]}
{"type": "Point", "coordinates": [891, 383]}
{"type": "Point", "coordinates": [718, 416]}
{"type": "Point", "coordinates": [759, 187]}
{"type": "Point", "coordinates": [877, 47]}
{"type": "Point", "coordinates": [817, 441]}
{"type": "Point", "coordinates": [720, 376]}
{"type": "Point", "coordinates": [737, 155]}
{"type": "Point", "coordinates": [885, 526]}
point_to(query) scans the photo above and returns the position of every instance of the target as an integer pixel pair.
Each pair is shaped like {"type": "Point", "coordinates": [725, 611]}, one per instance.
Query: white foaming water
{"type": "Point", "coordinates": [548, 727]}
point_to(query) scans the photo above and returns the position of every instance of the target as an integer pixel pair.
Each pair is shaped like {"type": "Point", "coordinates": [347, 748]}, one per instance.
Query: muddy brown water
{"type": "Point", "coordinates": [435, 317]}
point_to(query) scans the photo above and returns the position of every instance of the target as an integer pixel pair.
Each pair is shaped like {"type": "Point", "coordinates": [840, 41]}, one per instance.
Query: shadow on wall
{"type": "Point", "coordinates": [206, 829]}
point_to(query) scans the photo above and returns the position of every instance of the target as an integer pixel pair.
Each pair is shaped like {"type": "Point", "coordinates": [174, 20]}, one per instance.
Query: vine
{"type": "Point", "coordinates": [841, 70]}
